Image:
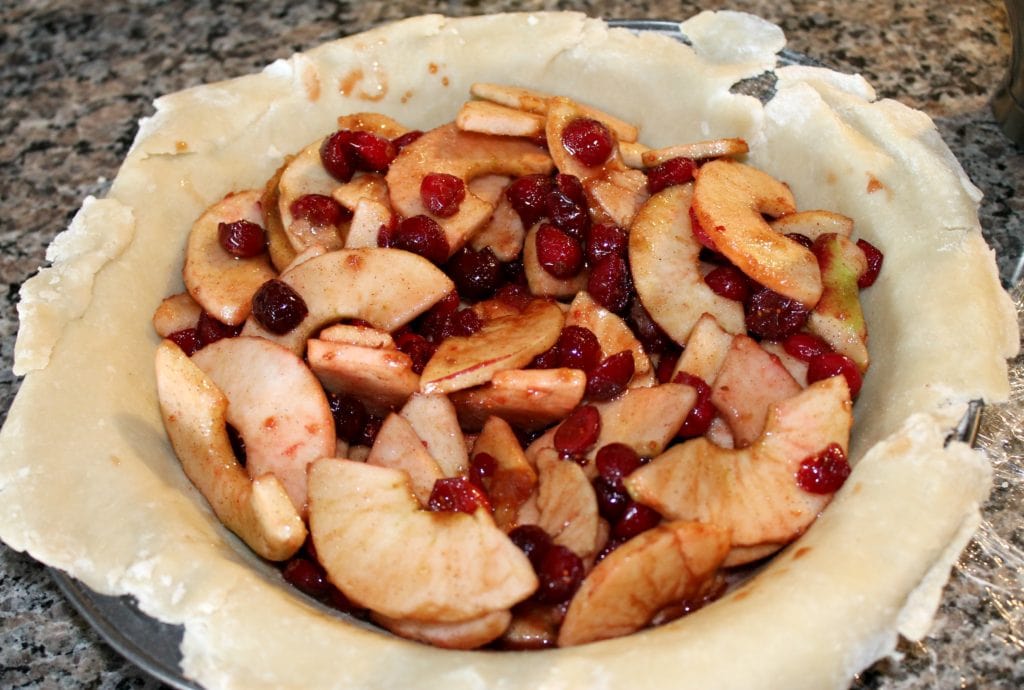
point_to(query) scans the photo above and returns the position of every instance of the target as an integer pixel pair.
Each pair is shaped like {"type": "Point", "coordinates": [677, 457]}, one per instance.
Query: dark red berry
{"type": "Point", "coordinates": [307, 577]}
{"type": "Point", "coordinates": [457, 494]}
{"type": "Point", "coordinates": [442, 193]}
{"type": "Point", "coordinates": [369, 433]}
{"type": "Point", "coordinates": [418, 348]}
{"type": "Point", "coordinates": [610, 378]}
{"type": "Point", "coordinates": [349, 415]}
{"type": "Point", "coordinates": [824, 473]}
{"type": "Point", "coordinates": [278, 307]}
{"type": "Point", "coordinates": [615, 462]}
{"type": "Point", "coordinates": [386, 232]}
{"type": "Point", "coordinates": [514, 295]}
{"type": "Point", "coordinates": [481, 468]}
{"type": "Point", "coordinates": [546, 360]}
{"type": "Point", "coordinates": [578, 348]}
{"type": "Point", "coordinates": [187, 339]}
{"type": "Point", "coordinates": [636, 518]}
{"type": "Point", "coordinates": [654, 339]}
{"type": "Point", "coordinates": [371, 152]}
{"type": "Point", "coordinates": [698, 421]}
{"type": "Point", "coordinates": [805, 346]}
{"type": "Point", "coordinates": [210, 330]}
{"type": "Point", "coordinates": [422, 235]}
{"type": "Point", "coordinates": [337, 156]}
{"type": "Point", "coordinates": [606, 240]}
{"type": "Point", "coordinates": [466, 323]}
{"type": "Point", "coordinates": [531, 540]}
{"type": "Point", "coordinates": [476, 274]}
{"type": "Point", "coordinates": [560, 574]}
{"type": "Point", "coordinates": [729, 282]}
{"type": "Point", "coordinates": [567, 206]}
{"type": "Point", "coordinates": [695, 382]}
{"type": "Point", "coordinates": [529, 197]}
{"type": "Point", "coordinates": [558, 253]}
{"type": "Point", "coordinates": [672, 172]}
{"type": "Point", "coordinates": [666, 365]}
{"type": "Point", "coordinates": [319, 210]}
{"type": "Point", "coordinates": [578, 432]}
{"type": "Point", "coordinates": [513, 273]}
{"type": "Point", "coordinates": [242, 238]}
{"type": "Point", "coordinates": [772, 316]}
{"type": "Point", "coordinates": [833, 364]}
{"type": "Point", "coordinates": [400, 142]}
{"type": "Point", "coordinates": [610, 283]}
{"type": "Point", "coordinates": [588, 141]}
{"type": "Point", "coordinates": [611, 502]}
{"type": "Point", "coordinates": [875, 258]}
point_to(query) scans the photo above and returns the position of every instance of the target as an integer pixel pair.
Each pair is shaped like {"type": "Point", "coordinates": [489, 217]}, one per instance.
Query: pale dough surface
{"type": "Point", "coordinates": [89, 483]}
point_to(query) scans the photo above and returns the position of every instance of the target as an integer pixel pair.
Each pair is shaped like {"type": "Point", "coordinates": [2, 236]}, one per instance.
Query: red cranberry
{"type": "Point", "coordinates": [698, 232]}
{"type": "Point", "coordinates": [802, 240]}
{"type": "Point", "coordinates": [514, 295]}
{"type": "Point", "coordinates": [371, 152]}
{"type": "Point", "coordinates": [466, 323]}
{"type": "Point", "coordinates": [307, 577]}
{"type": "Point", "coordinates": [529, 197]}
{"type": "Point", "coordinates": [442, 193]}
{"type": "Point", "coordinates": [476, 274]}
{"type": "Point", "coordinates": [319, 210]}
{"type": "Point", "coordinates": [369, 433]}
{"type": "Point", "coordinates": [606, 240]}
{"type": "Point", "coordinates": [210, 330]}
{"type": "Point", "coordinates": [400, 142]}
{"type": "Point", "coordinates": [669, 173]}
{"type": "Point", "coordinates": [699, 418]}
{"type": "Point", "coordinates": [610, 283]}
{"type": "Point", "coordinates": [513, 273]}
{"type": "Point", "coordinates": [805, 346]}
{"type": "Point", "coordinates": [824, 473]}
{"type": "Point", "coordinates": [557, 252]}
{"type": "Point", "coordinates": [278, 307]}
{"type": "Point", "coordinates": [418, 348]}
{"type": "Point", "coordinates": [635, 519]}
{"type": "Point", "coordinates": [772, 316]}
{"type": "Point", "coordinates": [560, 574]}
{"type": "Point", "coordinates": [242, 238]}
{"type": "Point", "coordinates": [654, 339]}
{"type": "Point", "coordinates": [610, 378]}
{"type": "Point", "coordinates": [833, 364]}
{"type": "Point", "coordinates": [187, 339]}
{"type": "Point", "coordinates": [422, 235]}
{"type": "Point", "coordinates": [482, 468]}
{"type": "Point", "coordinates": [457, 494]}
{"type": "Point", "coordinates": [578, 348]}
{"type": "Point", "coordinates": [729, 282]}
{"type": "Point", "coordinates": [336, 155]}
{"type": "Point", "coordinates": [578, 432]}
{"type": "Point", "coordinates": [386, 232]}
{"type": "Point", "coordinates": [533, 541]}
{"type": "Point", "coordinates": [616, 461]}
{"type": "Point", "coordinates": [667, 365]}
{"type": "Point", "coordinates": [695, 382]}
{"type": "Point", "coordinates": [349, 415]}
{"type": "Point", "coordinates": [567, 206]}
{"type": "Point", "coordinates": [874, 257]}
{"type": "Point", "coordinates": [546, 360]}
{"type": "Point", "coordinates": [588, 141]}
{"type": "Point", "coordinates": [611, 502]}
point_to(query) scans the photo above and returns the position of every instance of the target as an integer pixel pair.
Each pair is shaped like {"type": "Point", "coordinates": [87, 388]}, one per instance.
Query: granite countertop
{"type": "Point", "coordinates": [76, 76]}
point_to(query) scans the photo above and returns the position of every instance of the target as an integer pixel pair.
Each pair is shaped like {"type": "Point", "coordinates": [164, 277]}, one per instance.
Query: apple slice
{"type": "Point", "coordinates": [665, 260]}
{"type": "Point", "coordinates": [465, 155]}
{"type": "Point", "coordinates": [221, 283]}
{"type": "Point", "coordinates": [542, 283]}
{"type": "Point", "coordinates": [671, 563]}
{"type": "Point", "coordinates": [367, 220]}
{"type": "Point", "coordinates": [398, 446]}
{"type": "Point", "coordinates": [382, 379]}
{"type": "Point", "coordinates": [632, 153]}
{"type": "Point", "coordinates": [705, 350]}
{"type": "Point", "coordinates": [277, 406]}
{"type": "Point", "coordinates": [434, 420]}
{"type": "Point", "coordinates": [508, 342]}
{"type": "Point", "coordinates": [613, 334]}
{"type": "Point", "coordinates": [305, 174]}
{"type": "Point", "coordinates": [194, 411]}
{"type": "Point", "coordinates": [561, 112]}
{"type": "Point", "coordinates": [350, 334]}
{"type": "Point", "coordinates": [568, 505]}
{"type": "Point", "coordinates": [513, 480]}
{"type": "Point", "coordinates": [388, 555]}
{"type": "Point", "coordinates": [729, 199]}
{"type": "Point", "coordinates": [837, 318]}
{"type": "Point", "coordinates": [813, 224]}
{"type": "Point", "coordinates": [504, 232]}
{"type": "Point", "coordinates": [531, 399]}
{"type": "Point", "coordinates": [278, 245]}
{"type": "Point", "coordinates": [486, 117]}
{"type": "Point", "coordinates": [176, 313]}
{"type": "Point", "coordinates": [618, 195]}
{"type": "Point", "coordinates": [753, 491]}
{"type": "Point", "coordinates": [470, 634]}
{"type": "Point", "coordinates": [797, 368]}
{"type": "Point", "coordinates": [385, 287]}
{"type": "Point", "coordinates": [749, 383]}
{"type": "Point", "coordinates": [697, 150]}
{"type": "Point", "coordinates": [369, 186]}
{"type": "Point", "coordinates": [375, 123]}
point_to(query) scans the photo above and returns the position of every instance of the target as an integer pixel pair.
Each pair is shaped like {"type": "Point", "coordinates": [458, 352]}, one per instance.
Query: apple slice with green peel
{"type": "Point", "coordinates": [705, 350]}
{"type": "Point", "coordinates": [465, 155]}
{"type": "Point", "coordinates": [399, 447]}
{"type": "Point", "coordinates": [386, 554]}
{"type": "Point", "coordinates": [176, 313]}
{"type": "Point", "coordinates": [568, 505]}
{"type": "Point", "coordinates": [435, 421]}
{"type": "Point", "coordinates": [194, 411]}
{"type": "Point", "coordinates": [508, 342]}
{"type": "Point", "coordinates": [618, 194]}
{"type": "Point", "coordinates": [470, 634]}
{"type": "Point", "coordinates": [729, 199]}
{"type": "Point", "coordinates": [748, 384]}
{"type": "Point", "coordinates": [813, 224]}
{"type": "Point", "coordinates": [305, 174]}
{"type": "Point", "coordinates": [513, 479]}
{"type": "Point", "coordinates": [382, 379]}
{"type": "Point", "coordinates": [542, 283]}
{"type": "Point", "coordinates": [753, 491]}
{"type": "Point", "coordinates": [387, 288]}
{"type": "Point", "coordinates": [697, 150]}
{"type": "Point", "coordinates": [665, 260]}
{"type": "Point", "coordinates": [613, 334]}
{"type": "Point", "coordinates": [531, 399]}
{"type": "Point", "coordinates": [276, 405]}
{"type": "Point", "coordinates": [366, 336]}
{"type": "Point", "coordinates": [837, 318]}
{"type": "Point", "coordinates": [671, 563]}
{"type": "Point", "coordinates": [221, 283]}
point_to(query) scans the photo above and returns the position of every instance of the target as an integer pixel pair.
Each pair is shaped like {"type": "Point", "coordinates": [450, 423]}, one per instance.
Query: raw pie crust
{"type": "Point", "coordinates": [89, 483]}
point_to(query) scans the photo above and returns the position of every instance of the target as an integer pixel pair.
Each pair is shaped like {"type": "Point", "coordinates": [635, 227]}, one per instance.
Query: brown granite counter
{"type": "Point", "coordinates": [76, 76]}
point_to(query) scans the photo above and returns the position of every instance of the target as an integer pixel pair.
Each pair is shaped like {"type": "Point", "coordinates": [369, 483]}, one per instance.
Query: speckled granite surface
{"type": "Point", "coordinates": [75, 77]}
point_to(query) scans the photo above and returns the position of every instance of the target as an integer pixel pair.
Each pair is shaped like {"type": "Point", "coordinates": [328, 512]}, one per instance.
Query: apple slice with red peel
{"type": "Point", "coordinates": [568, 505]}
{"type": "Point", "coordinates": [748, 384]}
{"type": "Point", "coordinates": [729, 199]}
{"type": "Point", "coordinates": [618, 195]}
{"type": "Point", "coordinates": [665, 260]}
{"type": "Point", "coordinates": [305, 174]}
{"type": "Point", "coordinates": [697, 150]}
{"type": "Point", "coordinates": [512, 480]}
{"type": "Point", "coordinates": [276, 405]}
{"type": "Point", "coordinates": [382, 379]}
{"type": "Point", "coordinates": [350, 334]}
{"type": "Point", "coordinates": [509, 342]}
{"type": "Point", "coordinates": [399, 447]}
{"type": "Point", "coordinates": [813, 224]}
{"type": "Point", "coordinates": [387, 288]}
{"type": "Point", "coordinates": [753, 491]}
{"type": "Point", "coordinates": [194, 411]}
{"type": "Point", "coordinates": [542, 283]}
{"type": "Point", "coordinates": [470, 634]}
{"type": "Point", "coordinates": [465, 155]}
{"type": "Point", "coordinates": [531, 399]}
{"type": "Point", "coordinates": [386, 554]}
{"type": "Point", "coordinates": [176, 313]}
{"type": "Point", "coordinates": [705, 350]}
{"type": "Point", "coordinates": [837, 318]}
{"type": "Point", "coordinates": [221, 283]}
{"type": "Point", "coordinates": [670, 563]}
{"type": "Point", "coordinates": [613, 334]}
{"type": "Point", "coordinates": [435, 421]}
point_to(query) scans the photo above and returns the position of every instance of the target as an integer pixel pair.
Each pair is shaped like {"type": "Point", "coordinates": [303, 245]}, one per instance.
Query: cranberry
{"type": "Point", "coordinates": [319, 210]}
{"type": "Point", "coordinates": [729, 282]}
{"type": "Point", "coordinates": [457, 494]}
{"type": "Point", "coordinates": [442, 193]}
{"type": "Point", "coordinates": [805, 346]}
{"type": "Point", "coordinates": [187, 339]}
{"type": "Point", "coordinates": [610, 283]}
{"type": "Point", "coordinates": [349, 415]}
{"type": "Point", "coordinates": [210, 330]}
{"type": "Point", "coordinates": [307, 576]}
{"type": "Point", "coordinates": [466, 323]}
{"type": "Point", "coordinates": [529, 196]}
{"type": "Point", "coordinates": [874, 257]}
{"type": "Point", "coordinates": [610, 378]}
{"type": "Point", "coordinates": [616, 461]}
{"type": "Point", "coordinates": [277, 306]}
{"type": "Point", "coordinates": [371, 152]}
{"type": "Point", "coordinates": [482, 468]}
{"type": "Point", "coordinates": [422, 235]}
{"type": "Point", "coordinates": [611, 502]}
{"type": "Point", "coordinates": [567, 206]}
{"type": "Point", "coordinates": [449, 304]}
{"type": "Point", "coordinates": [578, 348]}
{"type": "Point", "coordinates": [512, 272]}
{"type": "Point", "coordinates": [547, 360]}
{"type": "Point", "coordinates": [802, 240]}
{"type": "Point", "coordinates": [578, 432]}
{"type": "Point", "coordinates": [703, 411]}
{"type": "Point", "coordinates": [666, 365]}
{"type": "Point", "coordinates": [514, 295]}
{"type": "Point", "coordinates": [418, 348]}
{"type": "Point", "coordinates": [400, 142]}
{"type": "Point", "coordinates": [698, 232]}
{"type": "Point", "coordinates": [476, 274]}
{"type": "Point", "coordinates": [669, 173]}
{"type": "Point", "coordinates": [636, 518]}
{"type": "Point", "coordinates": [833, 364]}
{"type": "Point", "coordinates": [654, 339]}
{"type": "Point", "coordinates": [369, 433]}
{"type": "Point", "coordinates": [533, 541]}
{"type": "Point", "coordinates": [386, 232]}
{"type": "Point", "coordinates": [242, 238]}
{"type": "Point", "coordinates": [588, 141]}
{"type": "Point", "coordinates": [560, 574]}
{"type": "Point", "coordinates": [606, 240]}
{"type": "Point", "coordinates": [825, 472]}
{"type": "Point", "coordinates": [773, 316]}
{"type": "Point", "coordinates": [336, 155]}
{"type": "Point", "coordinates": [557, 252]}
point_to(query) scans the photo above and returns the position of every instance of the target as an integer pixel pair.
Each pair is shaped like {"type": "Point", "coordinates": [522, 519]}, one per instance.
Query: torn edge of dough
{"type": "Point", "coordinates": [732, 38]}
{"type": "Point", "coordinates": [99, 233]}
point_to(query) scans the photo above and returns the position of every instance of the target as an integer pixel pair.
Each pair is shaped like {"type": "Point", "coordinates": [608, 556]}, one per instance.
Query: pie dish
{"type": "Point", "coordinates": [876, 161]}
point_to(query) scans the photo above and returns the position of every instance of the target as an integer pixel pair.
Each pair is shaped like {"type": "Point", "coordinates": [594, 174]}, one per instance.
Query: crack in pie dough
{"type": "Point", "coordinates": [90, 484]}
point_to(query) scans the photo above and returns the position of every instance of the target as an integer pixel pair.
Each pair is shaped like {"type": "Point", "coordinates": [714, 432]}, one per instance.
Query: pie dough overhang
{"type": "Point", "coordinates": [89, 483]}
